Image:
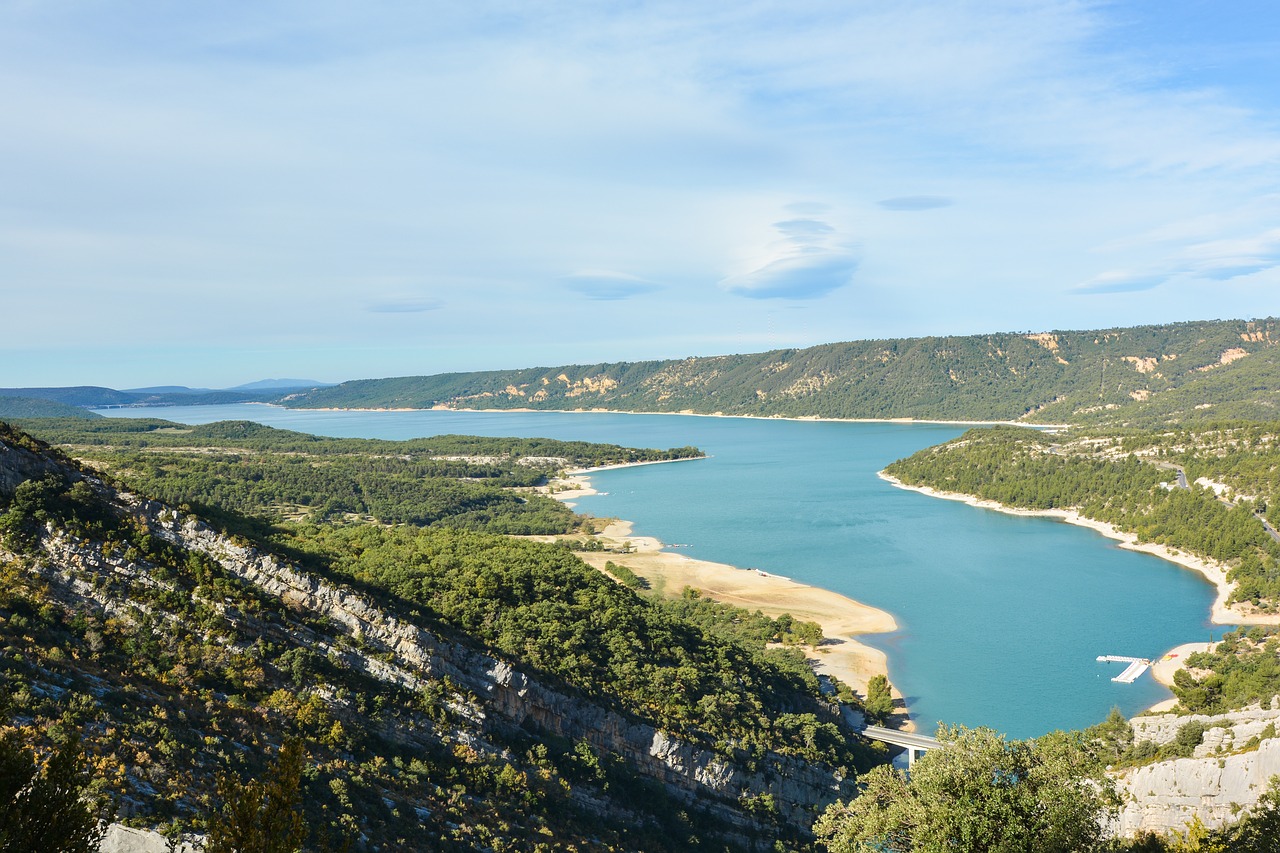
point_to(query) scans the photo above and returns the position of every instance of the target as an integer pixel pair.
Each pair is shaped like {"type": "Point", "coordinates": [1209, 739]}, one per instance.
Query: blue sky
{"type": "Point", "coordinates": [209, 194]}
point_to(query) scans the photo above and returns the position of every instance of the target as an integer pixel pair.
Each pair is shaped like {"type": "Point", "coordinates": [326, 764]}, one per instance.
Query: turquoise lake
{"type": "Point", "coordinates": [1000, 617]}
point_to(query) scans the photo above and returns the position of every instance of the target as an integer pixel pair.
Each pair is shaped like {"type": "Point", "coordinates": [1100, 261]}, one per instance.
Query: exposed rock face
{"type": "Point", "coordinates": [509, 697]}
{"type": "Point", "coordinates": [1167, 795]}
{"type": "Point", "coordinates": [1213, 786]}
{"type": "Point", "coordinates": [1226, 731]}
{"type": "Point", "coordinates": [124, 839]}
{"type": "Point", "coordinates": [19, 464]}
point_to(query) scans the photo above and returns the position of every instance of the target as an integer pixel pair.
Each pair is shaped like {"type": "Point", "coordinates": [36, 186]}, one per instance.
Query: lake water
{"type": "Point", "coordinates": [1000, 617]}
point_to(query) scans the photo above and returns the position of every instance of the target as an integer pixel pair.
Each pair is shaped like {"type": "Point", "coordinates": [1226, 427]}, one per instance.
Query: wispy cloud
{"type": "Point", "coordinates": [809, 260]}
{"type": "Point", "coordinates": [1122, 281]}
{"type": "Point", "coordinates": [805, 230]}
{"type": "Point", "coordinates": [404, 305]}
{"type": "Point", "coordinates": [1224, 259]}
{"type": "Point", "coordinates": [801, 276]}
{"type": "Point", "coordinates": [1206, 261]}
{"type": "Point", "coordinates": [915, 202]}
{"type": "Point", "coordinates": [606, 285]}
{"type": "Point", "coordinates": [292, 155]}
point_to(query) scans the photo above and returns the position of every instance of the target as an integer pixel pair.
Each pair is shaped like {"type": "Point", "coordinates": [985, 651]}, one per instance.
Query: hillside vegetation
{"type": "Point", "coordinates": [12, 408]}
{"type": "Point", "coordinates": [451, 688]}
{"type": "Point", "coordinates": [1145, 375]}
{"type": "Point", "coordinates": [1129, 479]}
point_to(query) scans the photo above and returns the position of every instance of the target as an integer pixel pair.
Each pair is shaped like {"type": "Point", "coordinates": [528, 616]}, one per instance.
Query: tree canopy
{"type": "Point", "coordinates": [982, 793]}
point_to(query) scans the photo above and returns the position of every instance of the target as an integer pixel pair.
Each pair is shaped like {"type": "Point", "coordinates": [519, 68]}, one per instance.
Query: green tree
{"type": "Point", "coordinates": [261, 815]}
{"type": "Point", "coordinates": [879, 704]}
{"type": "Point", "coordinates": [47, 806]}
{"type": "Point", "coordinates": [979, 792]}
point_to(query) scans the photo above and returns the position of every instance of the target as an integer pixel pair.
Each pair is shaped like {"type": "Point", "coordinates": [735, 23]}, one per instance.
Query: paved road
{"type": "Point", "coordinates": [1182, 475]}
{"type": "Point", "coordinates": [1267, 526]}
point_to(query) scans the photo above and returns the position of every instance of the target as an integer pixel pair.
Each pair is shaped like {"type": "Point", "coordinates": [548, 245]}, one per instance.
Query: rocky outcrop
{"type": "Point", "coordinates": [1224, 733]}
{"type": "Point", "coordinates": [20, 462]}
{"type": "Point", "coordinates": [1214, 785]}
{"type": "Point", "coordinates": [126, 839]}
{"type": "Point", "coordinates": [508, 697]}
{"type": "Point", "coordinates": [1169, 794]}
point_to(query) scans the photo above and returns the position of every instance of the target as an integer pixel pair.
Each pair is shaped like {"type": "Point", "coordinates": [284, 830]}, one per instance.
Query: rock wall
{"type": "Point", "coordinates": [1213, 785]}
{"type": "Point", "coordinates": [126, 839]}
{"type": "Point", "coordinates": [1226, 732]}
{"type": "Point", "coordinates": [1168, 794]}
{"type": "Point", "coordinates": [508, 697]}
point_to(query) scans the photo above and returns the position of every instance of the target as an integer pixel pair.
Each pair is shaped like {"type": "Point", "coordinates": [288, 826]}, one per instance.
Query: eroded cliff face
{"type": "Point", "coordinates": [1214, 785]}
{"type": "Point", "coordinates": [505, 696]}
{"type": "Point", "coordinates": [490, 696]}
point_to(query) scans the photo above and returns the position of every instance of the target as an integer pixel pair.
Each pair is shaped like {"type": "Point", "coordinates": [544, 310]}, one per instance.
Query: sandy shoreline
{"type": "Point", "coordinates": [1214, 572]}
{"type": "Point", "coordinates": [842, 619]}
{"type": "Point", "coordinates": [1163, 671]}
{"type": "Point", "coordinates": [684, 414]}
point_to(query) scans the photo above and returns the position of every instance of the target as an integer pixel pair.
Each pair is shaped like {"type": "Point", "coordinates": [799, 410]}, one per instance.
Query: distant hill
{"type": "Point", "coordinates": [167, 389]}
{"type": "Point", "coordinates": [79, 395]}
{"type": "Point", "coordinates": [1144, 375]}
{"type": "Point", "coordinates": [33, 407]}
{"type": "Point", "coordinates": [93, 397]}
{"type": "Point", "coordinates": [280, 385]}
{"type": "Point", "coordinates": [1191, 372]}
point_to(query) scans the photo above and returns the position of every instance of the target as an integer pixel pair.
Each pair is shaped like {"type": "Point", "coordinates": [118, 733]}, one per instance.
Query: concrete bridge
{"type": "Point", "coordinates": [914, 744]}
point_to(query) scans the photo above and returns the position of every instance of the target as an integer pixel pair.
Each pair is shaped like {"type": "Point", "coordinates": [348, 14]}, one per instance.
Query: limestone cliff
{"type": "Point", "coordinates": [1230, 769]}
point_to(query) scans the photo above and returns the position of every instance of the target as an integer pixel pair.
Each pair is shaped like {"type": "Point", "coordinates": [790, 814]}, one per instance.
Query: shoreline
{"type": "Point", "coordinates": [843, 619]}
{"type": "Point", "coordinates": [579, 472]}
{"type": "Point", "coordinates": [683, 413]}
{"type": "Point", "coordinates": [1164, 669]}
{"type": "Point", "coordinates": [1215, 573]}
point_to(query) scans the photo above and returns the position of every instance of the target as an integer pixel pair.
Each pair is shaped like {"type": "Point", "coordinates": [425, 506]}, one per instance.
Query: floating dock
{"type": "Point", "coordinates": [1136, 667]}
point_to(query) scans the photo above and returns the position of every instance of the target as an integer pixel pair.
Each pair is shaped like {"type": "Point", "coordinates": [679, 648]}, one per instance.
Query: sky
{"type": "Point", "coordinates": [209, 194]}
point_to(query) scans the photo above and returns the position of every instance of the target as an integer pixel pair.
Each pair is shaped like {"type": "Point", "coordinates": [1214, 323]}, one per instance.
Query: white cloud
{"type": "Point", "coordinates": [798, 276]}
{"type": "Point", "coordinates": [808, 260]}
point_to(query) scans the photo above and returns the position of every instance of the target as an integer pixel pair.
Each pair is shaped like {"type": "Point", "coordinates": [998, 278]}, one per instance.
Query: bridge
{"type": "Point", "coordinates": [913, 743]}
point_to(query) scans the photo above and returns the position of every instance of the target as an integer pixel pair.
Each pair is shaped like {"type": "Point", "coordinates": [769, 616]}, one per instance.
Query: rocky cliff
{"type": "Point", "coordinates": [1230, 769]}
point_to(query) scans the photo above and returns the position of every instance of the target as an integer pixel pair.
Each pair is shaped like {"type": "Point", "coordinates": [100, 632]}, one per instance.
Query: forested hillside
{"type": "Point", "coordinates": [12, 408]}
{"type": "Point", "coordinates": [1221, 508]}
{"type": "Point", "coordinates": [451, 688]}
{"type": "Point", "coordinates": [450, 481]}
{"type": "Point", "coordinates": [1182, 372]}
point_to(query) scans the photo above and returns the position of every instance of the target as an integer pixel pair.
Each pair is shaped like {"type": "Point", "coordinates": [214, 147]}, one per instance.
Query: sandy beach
{"type": "Point", "coordinates": [1172, 661]}
{"type": "Point", "coordinates": [842, 619]}
{"type": "Point", "coordinates": [1216, 573]}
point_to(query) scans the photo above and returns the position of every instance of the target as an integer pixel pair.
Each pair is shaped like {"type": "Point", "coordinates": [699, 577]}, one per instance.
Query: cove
{"type": "Point", "coordinates": [1000, 617]}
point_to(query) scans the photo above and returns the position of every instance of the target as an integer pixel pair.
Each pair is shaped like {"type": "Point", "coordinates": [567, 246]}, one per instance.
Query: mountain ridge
{"type": "Point", "coordinates": [1194, 371]}
{"type": "Point", "coordinates": [1145, 374]}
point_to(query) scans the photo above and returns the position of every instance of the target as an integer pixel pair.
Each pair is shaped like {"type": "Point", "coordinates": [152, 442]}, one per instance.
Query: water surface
{"type": "Point", "coordinates": [1000, 617]}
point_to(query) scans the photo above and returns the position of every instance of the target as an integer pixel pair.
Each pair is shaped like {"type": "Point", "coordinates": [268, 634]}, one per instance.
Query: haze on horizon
{"type": "Point", "coordinates": [209, 195]}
